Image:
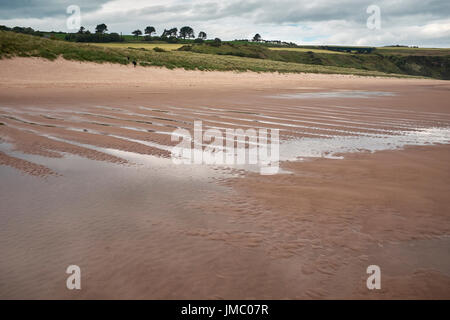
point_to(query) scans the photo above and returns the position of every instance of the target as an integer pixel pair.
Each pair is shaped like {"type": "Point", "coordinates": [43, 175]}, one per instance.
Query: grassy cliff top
{"type": "Point", "coordinates": [21, 45]}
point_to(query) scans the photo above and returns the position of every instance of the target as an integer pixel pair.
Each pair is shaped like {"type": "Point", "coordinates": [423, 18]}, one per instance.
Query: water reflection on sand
{"type": "Point", "coordinates": [147, 228]}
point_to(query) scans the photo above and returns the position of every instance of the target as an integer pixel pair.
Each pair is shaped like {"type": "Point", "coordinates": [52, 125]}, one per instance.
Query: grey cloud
{"type": "Point", "coordinates": [261, 11]}
{"type": "Point", "coordinates": [298, 11]}
{"type": "Point", "coordinates": [331, 21]}
{"type": "Point", "coordinates": [17, 9]}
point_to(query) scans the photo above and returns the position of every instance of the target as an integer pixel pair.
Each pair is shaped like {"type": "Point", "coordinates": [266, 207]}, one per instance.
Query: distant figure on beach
{"type": "Point", "coordinates": [134, 63]}
{"type": "Point", "coordinates": [128, 58]}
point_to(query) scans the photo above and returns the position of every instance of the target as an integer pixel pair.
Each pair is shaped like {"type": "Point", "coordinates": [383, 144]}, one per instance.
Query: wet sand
{"type": "Point", "coordinates": [87, 179]}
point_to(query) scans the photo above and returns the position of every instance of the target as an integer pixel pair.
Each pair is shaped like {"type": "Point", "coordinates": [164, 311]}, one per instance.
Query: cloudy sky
{"type": "Point", "coordinates": [410, 22]}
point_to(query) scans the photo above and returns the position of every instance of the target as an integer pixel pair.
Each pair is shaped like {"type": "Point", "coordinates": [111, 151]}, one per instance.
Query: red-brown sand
{"type": "Point", "coordinates": [86, 179]}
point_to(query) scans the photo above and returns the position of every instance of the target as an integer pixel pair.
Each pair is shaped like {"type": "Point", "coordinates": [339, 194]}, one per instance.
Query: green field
{"type": "Point", "coordinates": [405, 51]}
{"type": "Point", "coordinates": [141, 45]}
{"type": "Point", "coordinates": [306, 50]}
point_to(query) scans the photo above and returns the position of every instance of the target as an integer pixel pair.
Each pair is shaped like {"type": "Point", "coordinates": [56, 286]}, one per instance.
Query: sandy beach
{"type": "Point", "coordinates": [87, 179]}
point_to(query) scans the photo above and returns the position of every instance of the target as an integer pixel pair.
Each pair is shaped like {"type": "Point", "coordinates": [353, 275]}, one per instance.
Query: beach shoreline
{"type": "Point", "coordinates": [178, 233]}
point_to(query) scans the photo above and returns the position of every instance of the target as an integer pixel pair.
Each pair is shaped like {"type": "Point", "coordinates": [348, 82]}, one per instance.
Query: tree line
{"type": "Point", "coordinates": [22, 30]}
{"type": "Point", "coordinates": [101, 35]}
{"type": "Point", "coordinates": [172, 35]}
{"type": "Point", "coordinates": [185, 32]}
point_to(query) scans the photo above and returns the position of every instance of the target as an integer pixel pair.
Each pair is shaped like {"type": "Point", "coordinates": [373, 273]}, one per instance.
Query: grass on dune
{"type": "Point", "coordinates": [15, 44]}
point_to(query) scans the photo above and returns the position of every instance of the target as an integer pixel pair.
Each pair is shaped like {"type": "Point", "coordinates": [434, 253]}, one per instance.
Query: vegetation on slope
{"type": "Point", "coordinates": [428, 66]}
{"type": "Point", "coordinates": [15, 44]}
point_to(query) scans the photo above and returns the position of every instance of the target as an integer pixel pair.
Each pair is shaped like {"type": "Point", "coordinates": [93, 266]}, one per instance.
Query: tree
{"type": "Point", "coordinates": [202, 35]}
{"type": "Point", "coordinates": [257, 37]}
{"type": "Point", "coordinates": [137, 33]}
{"type": "Point", "coordinates": [173, 32]}
{"type": "Point", "coordinates": [169, 33]}
{"type": "Point", "coordinates": [149, 30]}
{"type": "Point", "coordinates": [187, 32]}
{"type": "Point", "coordinates": [81, 30]}
{"type": "Point", "coordinates": [217, 42]}
{"type": "Point", "coordinates": [101, 28]}
{"type": "Point", "coordinates": [18, 29]}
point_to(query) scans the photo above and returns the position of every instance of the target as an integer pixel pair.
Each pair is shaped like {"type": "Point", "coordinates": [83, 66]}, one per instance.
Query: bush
{"type": "Point", "coordinates": [172, 40]}
{"type": "Point", "coordinates": [28, 30]}
{"type": "Point", "coordinates": [158, 49]}
{"type": "Point", "coordinates": [217, 42]}
{"type": "Point", "coordinates": [185, 48]}
{"type": "Point", "coordinates": [94, 37]}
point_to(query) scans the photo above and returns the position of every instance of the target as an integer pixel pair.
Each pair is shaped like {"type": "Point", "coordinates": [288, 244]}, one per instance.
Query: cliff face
{"type": "Point", "coordinates": [429, 66]}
